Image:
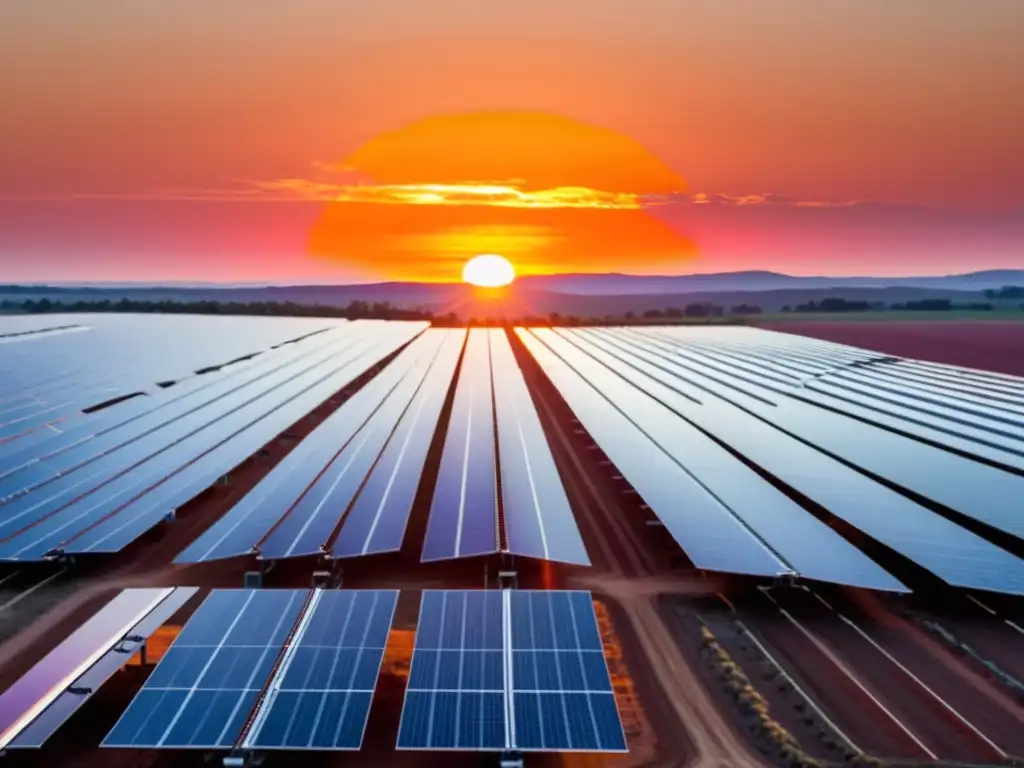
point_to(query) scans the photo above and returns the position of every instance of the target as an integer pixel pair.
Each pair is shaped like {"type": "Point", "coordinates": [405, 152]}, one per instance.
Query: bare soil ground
{"type": "Point", "coordinates": [987, 345]}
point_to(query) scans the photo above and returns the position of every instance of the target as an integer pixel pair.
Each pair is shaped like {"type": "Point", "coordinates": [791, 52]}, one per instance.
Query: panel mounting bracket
{"type": "Point", "coordinates": [511, 760]}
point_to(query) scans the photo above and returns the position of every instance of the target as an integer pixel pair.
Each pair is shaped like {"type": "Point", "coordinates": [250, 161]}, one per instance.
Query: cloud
{"type": "Point", "coordinates": [502, 195]}
{"type": "Point", "coordinates": [767, 198]}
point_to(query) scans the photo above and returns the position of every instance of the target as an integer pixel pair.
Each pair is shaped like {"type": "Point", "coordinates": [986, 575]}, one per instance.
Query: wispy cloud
{"type": "Point", "coordinates": [503, 195]}
{"type": "Point", "coordinates": [769, 198]}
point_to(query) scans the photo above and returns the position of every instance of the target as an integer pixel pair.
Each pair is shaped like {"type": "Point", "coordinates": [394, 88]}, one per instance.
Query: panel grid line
{"type": "Point", "coordinates": [550, 699]}
{"type": "Point", "coordinates": [289, 655]}
{"type": "Point", "coordinates": [206, 668]}
{"type": "Point", "coordinates": [579, 646]}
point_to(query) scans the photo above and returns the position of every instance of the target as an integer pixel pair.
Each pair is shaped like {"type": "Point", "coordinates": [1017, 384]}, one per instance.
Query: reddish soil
{"type": "Point", "coordinates": [986, 345]}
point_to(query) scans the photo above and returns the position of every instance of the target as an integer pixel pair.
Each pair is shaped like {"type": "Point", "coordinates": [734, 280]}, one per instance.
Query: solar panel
{"type": "Point", "coordinates": [33, 708]}
{"type": "Point", "coordinates": [207, 683]}
{"type": "Point", "coordinates": [562, 693]}
{"type": "Point", "coordinates": [309, 524]}
{"type": "Point", "coordinates": [956, 555]}
{"type": "Point", "coordinates": [41, 523]}
{"type": "Point", "coordinates": [144, 349]}
{"type": "Point", "coordinates": [463, 514]}
{"type": "Point", "coordinates": [711, 537]}
{"type": "Point", "coordinates": [127, 470]}
{"type": "Point", "coordinates": [377, 520]}
{"type": "Point", "coordinates": [320, 695]}
{"type": "Point", "coordinates": [539, 521]}
{"type": "Point", "coordinates": [301, 488]}
{"type": "Point", "coordinates": [474, 682]}
{"type": "Point", "coordinates": [455, 697]}
{"type": "Point", "coordinates": [814, 549]}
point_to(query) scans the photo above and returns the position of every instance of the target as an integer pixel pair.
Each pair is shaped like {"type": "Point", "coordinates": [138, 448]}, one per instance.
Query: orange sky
{"type": "Point", "coordinates": [148, 140]}
{"type": "Point", "coordinates": [550, 193]}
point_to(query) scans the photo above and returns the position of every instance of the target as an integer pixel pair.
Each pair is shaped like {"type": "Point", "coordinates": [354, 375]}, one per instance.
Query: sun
{"type": "Point", "coordinates": [488, 270]}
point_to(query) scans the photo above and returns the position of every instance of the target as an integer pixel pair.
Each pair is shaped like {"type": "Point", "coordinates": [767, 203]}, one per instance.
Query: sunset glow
{"type": "Point", "coordinates": [553, 194]}
{"type": "Point", "coordinates": [488, 271]}
{"type": "Point", "coordinates": [688, 137]}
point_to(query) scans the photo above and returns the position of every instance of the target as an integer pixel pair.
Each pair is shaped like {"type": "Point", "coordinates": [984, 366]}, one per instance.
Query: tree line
{"type": "Point", "coordinates": [696, 312]}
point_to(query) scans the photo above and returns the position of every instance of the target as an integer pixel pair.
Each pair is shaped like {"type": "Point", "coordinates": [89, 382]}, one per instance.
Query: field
{"type": "Point", "coordinates": [753, 607]}
{"type": "Point", "coordinates": [990, 345]}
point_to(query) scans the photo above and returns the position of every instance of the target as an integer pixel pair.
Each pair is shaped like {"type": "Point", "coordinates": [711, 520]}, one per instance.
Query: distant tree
{"type": "Point", "coordinates": [745, 309]}
{"type": "Point", "coordinates": [930, 305]}
{"type": "Point", "coordinates": [787, 308]}
{"type": "Point", "coordinates": [674, 313]}
{"type": "Point", "coordinates": [652, 313]}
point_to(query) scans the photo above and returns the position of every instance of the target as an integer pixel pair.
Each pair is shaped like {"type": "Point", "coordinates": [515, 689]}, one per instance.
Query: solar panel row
{"type": "Point", "coordinates": [34, 707]}
{"type": "Point", "coordinates": [809, 546]}
{"type": "Point", "coordinates": [495, 430]}
{"type": "Point", "coordinates": [509, 670]}
{"type": "Point", "coordinates": [711, 537]}
{"type": "Point", "coordinates": [295, 510]}
{"type": "Point", "coordinates": [805, 448]}
{"type": "Point", "coordinates": [463, 513]}
{"type": "Point", "coordinates": [539, 521]}
{"type": "Point", "coordinates": [274, 669]}
{"type": "Point", "coordinates": [111, 356]}
{"type": "Point", "coordinates": [857, 387]}
{"type": "Point", "coordinates": [976, 490]}
{"type": "Point", "coordinates": [377, 519]}
{"type": "Point", "coordinates": [136, 480]}
{"type": "Point", "coordinates": [200, 398]}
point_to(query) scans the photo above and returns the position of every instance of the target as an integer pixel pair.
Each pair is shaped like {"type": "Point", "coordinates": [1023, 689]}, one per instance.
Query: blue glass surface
{"type": "Point", "coordinates": [711, 537]}
{"type": "Point", "coordinates": [51, 522]}
{"type": "Point", "coordinates": [800, 445]}
{"type": "Point", "coordinates": [239, 531]}
{"type": "Point", "coordinates": [321, 695]}
{"type": "Point", "coordinates": [470, 688]}
{"type": "Point", "coordinates": [463, 513]}
{"type": "Point", "coordinates": [377, 519]}
{"type": "Point", "coordinates": [370, 422]}
{"type": "Point", "coordinates": [539, 521]}
{"type": "Point", "coordinates": [203, 690]}
{"type": "Point", "coordinates": [568, 722]}
{"type": "Point", "coordinates": [813, 549]}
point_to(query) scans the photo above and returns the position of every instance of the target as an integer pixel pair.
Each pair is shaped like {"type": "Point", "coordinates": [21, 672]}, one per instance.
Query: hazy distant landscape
{"type": "Point", "coordinates": [594, 295]}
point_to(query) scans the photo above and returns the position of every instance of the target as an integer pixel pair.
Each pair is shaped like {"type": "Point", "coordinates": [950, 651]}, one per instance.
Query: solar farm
{"type": "Point", "coordinates": [302, 540]}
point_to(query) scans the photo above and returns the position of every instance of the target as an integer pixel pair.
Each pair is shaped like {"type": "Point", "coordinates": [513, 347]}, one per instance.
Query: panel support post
{"type": "Point", "coordinates": [508, 580]}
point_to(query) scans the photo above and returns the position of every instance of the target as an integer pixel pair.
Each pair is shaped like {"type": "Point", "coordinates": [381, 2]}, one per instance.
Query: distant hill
{"type": "Point", "coordinates": [615, 284]}
{"type": "Point", "coordinates": [585, 295]}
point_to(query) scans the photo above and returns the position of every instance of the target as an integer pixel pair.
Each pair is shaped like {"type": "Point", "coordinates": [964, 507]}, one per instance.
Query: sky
{"type": "Point", "coordinates": [340, 141]}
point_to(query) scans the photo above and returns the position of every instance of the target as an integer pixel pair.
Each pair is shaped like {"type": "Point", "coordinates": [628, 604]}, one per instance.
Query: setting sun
{"type": "Point", "coordinates": [488, 271]}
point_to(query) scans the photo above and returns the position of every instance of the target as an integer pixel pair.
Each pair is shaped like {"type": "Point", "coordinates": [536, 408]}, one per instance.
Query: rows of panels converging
{"type": "Point", "coordinates": [49, 376]}
{"type": "Point", "coordinates": [509, 670]}
{"type": "Point", "coordinates": [720, 430]}
{"type": "Point", "coordinates": [267, 669]}
{"type": "Point", "coordinates": [103, 482]}
{"type": "Point", "coordinates": [348, 488]}
{"type": "Point", "coordinates": [497, 474]}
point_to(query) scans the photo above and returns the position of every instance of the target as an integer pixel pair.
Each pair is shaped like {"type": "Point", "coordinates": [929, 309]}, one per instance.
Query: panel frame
{"type": "Point", "coordinates": [508, 692]}
{"type": "Point", "coordinates": [251, 735]}
{"type": "Point", "coordinates": [98, 666]}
